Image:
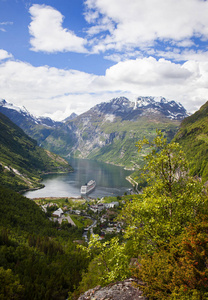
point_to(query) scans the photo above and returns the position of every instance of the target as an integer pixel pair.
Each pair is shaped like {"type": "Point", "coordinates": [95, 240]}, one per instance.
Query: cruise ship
{"type": "Point", "coordinates": [88, 187]}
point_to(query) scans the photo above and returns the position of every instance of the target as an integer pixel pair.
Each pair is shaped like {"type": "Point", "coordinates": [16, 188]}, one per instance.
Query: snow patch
{"type": "Point", "coordinates": [109, 118]}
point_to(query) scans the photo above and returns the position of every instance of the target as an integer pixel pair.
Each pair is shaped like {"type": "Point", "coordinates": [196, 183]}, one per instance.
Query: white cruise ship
{"type": "Point", "coordinates": [88, 187]}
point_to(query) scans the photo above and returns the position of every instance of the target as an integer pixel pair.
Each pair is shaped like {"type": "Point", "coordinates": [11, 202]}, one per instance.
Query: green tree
{"type": "Point", "coordinates": [10, 287]}
{"type": "Point", "coordinates": [178, 270]}
{"type": "Point", "coordinates": [168, 203]}
{"type": "Point", "coordinates": [110, 263]}
{"type": "Point", "coordinates": [155, 219]}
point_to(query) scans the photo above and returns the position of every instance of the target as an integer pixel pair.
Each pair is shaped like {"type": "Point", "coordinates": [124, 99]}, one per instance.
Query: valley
{"type": "Point", "coordinates": [110, 180]}
{"type": "Point", "coordinates": [58, 246]}
{"type": "Point", "coordinates": [107, 132]}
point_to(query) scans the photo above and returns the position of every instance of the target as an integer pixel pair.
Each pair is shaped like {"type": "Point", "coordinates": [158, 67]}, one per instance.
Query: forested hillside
{"type": "Point", "coordinates": [164, 244]}
{"type": "Point", "coordinates": [22, 162]}
{"type": "Point", "coordinates": [38, 259]}
{"type": "Point", "coordinates": [193, 137]}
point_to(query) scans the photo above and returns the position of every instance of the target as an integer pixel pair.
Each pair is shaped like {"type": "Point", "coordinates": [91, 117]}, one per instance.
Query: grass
{"type": "Point", "coordinates": [81, 221]}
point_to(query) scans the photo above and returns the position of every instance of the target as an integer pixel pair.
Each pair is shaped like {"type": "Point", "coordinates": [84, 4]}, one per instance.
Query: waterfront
{"type": "Point", "coordinates": [110, 181]}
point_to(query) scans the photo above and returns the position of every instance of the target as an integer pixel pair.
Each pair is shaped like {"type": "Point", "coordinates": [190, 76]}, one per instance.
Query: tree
{"type": "Point", "coordinates": [110, 263]}
{"type": "Point", "coordinates": [156, 220]}
{"type": "Point", "coordinates": [10, 287]}
{"type": "Point", "coordinates": [178, 270]}
{"type": "Point", "coordinates": [168, 203]}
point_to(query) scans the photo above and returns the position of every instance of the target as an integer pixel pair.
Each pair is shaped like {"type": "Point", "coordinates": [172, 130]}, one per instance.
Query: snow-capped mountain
{"type": "Point", "coordinates": [171, 109]}
{"type": "Point", "coordinates": [21, 114]}
{"type": "Point", "coordinates": [142, 106]}
{"type": "Point", "coordinates": [110, 130]}
{"type": "Point", "coordinates": [107, 132]}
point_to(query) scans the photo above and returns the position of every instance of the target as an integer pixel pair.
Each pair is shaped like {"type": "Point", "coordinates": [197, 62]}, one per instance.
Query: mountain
{"type": "Point", "coordinates": [37, 128]}
{"type": "Point", "coordinates": [193, 137]}
{"type": "Point", "coordinates": [110, 130]}
{"type": "Point", "coordinates": [107, 132]}
{"type": "Point", "coordinates": [143, 106]}
{"type": "Point", "coordinates": [22, 162]}
{"type": "Point", "coordinates": [52, 135]}
{"type": "Point", "coordinates": [71, 117]}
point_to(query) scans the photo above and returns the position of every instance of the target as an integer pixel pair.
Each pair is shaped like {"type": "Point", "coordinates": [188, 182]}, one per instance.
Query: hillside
{"type": "Point", "coordinates": [22, 162]}
{"type": "Point", "coordinates": [37, 261]}
{"type": "Point", "coordinates": [193, 137]}
{"type": "Point", "coordinates": [107, 132]}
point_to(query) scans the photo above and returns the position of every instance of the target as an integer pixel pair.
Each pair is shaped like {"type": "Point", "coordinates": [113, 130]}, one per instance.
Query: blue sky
{"type": "Point", "coordinates": [64, 56]}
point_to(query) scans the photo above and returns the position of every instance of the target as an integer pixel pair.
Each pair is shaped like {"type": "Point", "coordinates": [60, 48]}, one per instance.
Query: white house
{"type": "Point", "coordinates": [112, 204]}
{"type": "Point", "coordinates": [57, 213]}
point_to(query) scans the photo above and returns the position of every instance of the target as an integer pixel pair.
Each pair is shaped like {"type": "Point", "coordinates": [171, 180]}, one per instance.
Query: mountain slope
{"type": "Point", "coordinates": [22, 162]}
{"type": "Point", "coordinates": [37, 260]}
{"type": "Point", "coordinates": [37, 128]}
{"type": "Point", "coordinates": [54, 136]}
{"type": "Point", "coordinates": [109, 131]}
{"type": "Point", "coordinates": [193, 137]}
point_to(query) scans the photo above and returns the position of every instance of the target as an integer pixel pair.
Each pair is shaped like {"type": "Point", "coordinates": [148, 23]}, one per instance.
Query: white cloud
{"type": "Point", "coordinates": [42, 89]}
{"type": "Point", "coordinates": [148, 71]}
{"type": "Point", "coordinates": [187, 83]}
{"type": "Point", "coordinates": [4, 54]}
{"type": "Point", "coordinates": [47, 32]}
{"type": "Point", "coordinates": [57, 93]}
{"type": "Point", "coordinates": [4, 24]}
{"type": "Point", "coordinates": [139, 23]}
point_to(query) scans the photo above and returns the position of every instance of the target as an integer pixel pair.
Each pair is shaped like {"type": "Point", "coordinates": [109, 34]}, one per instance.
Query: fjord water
{"type": "Point", "coordinates": [110, 181]}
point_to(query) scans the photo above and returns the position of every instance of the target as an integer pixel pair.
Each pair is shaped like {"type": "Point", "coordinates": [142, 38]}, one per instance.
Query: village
{"type": "Point", "coordinates": [92, 216]}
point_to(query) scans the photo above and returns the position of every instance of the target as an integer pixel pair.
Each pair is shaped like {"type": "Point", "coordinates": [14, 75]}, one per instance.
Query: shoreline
{"type": "Point", "coordinates": [56, 198]}
{"type": "Point", "coordinates": [42, 185]}
{"type": "Point", "coordinates": [133, 183]}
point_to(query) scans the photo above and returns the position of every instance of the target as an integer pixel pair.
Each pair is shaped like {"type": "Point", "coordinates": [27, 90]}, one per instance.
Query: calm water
{"type": "Point", "coordinates": [110, 181]}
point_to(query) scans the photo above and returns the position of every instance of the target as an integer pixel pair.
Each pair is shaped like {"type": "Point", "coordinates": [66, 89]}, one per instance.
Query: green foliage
{"type": "Point", "coordinates": [81, 221]}
{"type": "Point", "coordinates": [178, 270]}
{"type": "Point", "coordinates": [193, 137]}
{"type": "Point", "coordinates": [110, 263]}
{"type": "Point", "coordinates": [172, 261]}
{"type": "Point", "coordinates": [38, 260]}
{"type": "Point", "coordinates": [169, 202]}
{"type": "Point", "coordinates": [10, 287]}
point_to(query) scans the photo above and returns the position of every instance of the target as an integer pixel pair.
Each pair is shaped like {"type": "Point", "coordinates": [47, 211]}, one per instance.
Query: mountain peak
{"type": "Point", "coordinates": [170, 109]}
{"type": "Point", "coordinates": [71, 117]}
{"type": "Point", "coordinates": [22, 110]}
{"type": "Point", "coordinates": [144, 101]}
{"type": "Point", "coordinates": [120, 101]}
{"type": "Point", "coordinates": [142, 106]}
{"type": "Point", "coordinates": [2, 102]}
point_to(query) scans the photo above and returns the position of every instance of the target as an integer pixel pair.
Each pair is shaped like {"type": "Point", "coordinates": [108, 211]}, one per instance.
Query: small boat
{"type": "Point", "coordinates": [88, 187]}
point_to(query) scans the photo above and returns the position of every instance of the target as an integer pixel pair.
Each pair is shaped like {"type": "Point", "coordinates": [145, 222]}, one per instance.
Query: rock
{"type": "Point", "coordinates": [121, 290]}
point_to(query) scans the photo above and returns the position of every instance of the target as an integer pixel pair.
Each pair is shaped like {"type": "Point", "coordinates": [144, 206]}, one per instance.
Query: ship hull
{"type": "Point", "coordinates": [88, 188]}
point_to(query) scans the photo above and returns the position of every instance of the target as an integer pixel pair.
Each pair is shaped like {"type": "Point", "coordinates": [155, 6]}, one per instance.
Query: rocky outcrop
{"type": "Point", "coordinates": [122, 290]}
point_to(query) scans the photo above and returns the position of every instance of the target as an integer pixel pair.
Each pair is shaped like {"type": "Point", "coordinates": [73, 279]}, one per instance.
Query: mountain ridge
{"type": "Point", "coordinates": [110, 130]}
{"type": "Point", "coordinates": [22, 162]}
{"type": "Point", "coordinates": [107, 132]}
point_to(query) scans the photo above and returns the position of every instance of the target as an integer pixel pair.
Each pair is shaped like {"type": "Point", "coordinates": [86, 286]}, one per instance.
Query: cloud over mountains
{"type": "Point", "coordinates": [147, 48]}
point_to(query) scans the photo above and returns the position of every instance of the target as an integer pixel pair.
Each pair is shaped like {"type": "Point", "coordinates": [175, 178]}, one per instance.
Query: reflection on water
{"type": "Point", "coordinates": [110, 180]}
